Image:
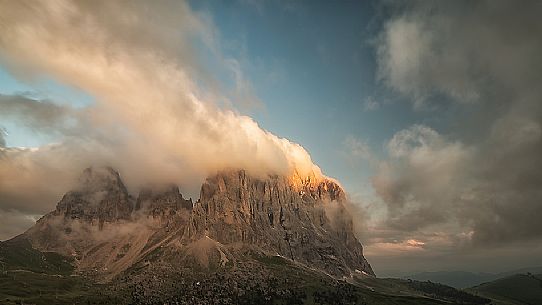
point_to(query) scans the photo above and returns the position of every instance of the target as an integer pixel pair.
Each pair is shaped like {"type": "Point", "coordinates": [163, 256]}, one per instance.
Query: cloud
{"type": "Point", "coordinates": [357, 149]}
{"type": "Point", "coordinates": [156, 117]}
{"type": "Point", "coordinates": [14, 223]}
{"type": "Point", "coordinates": [370, 104]}
{"type": "Point", "coordinates": [478, 182]}
{"type": "Point", "coordinates": [460, 49]}
{"type": "Point", "coordinates": [418, 182]}
{"type": "Point", "coordinates": [41, 116]}
{"type": "Point", "coordinates": [489, 192]}
{"type": "Point", "coordinates": [243, 91]}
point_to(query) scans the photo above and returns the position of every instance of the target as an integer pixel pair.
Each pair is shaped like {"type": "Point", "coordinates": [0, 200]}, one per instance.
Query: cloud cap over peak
{"type": "Point", "coordinates": [157, 115]}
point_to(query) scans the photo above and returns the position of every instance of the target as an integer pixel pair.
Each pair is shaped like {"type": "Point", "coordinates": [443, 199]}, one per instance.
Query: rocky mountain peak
{"type": "Point", "coordinates": [99, 197]}
{"type": "Point", "coordinates": [96, 179]}
{"type": "Point", "coordinates": [302, 219]}
{"type": "Point", "coordinates": [232, 182]}
{"type": "Point", "coordinates": [162, 200]}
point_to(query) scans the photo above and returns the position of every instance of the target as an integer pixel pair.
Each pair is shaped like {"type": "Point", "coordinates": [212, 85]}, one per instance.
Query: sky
{"type": "Point", "coordinates": [428, 113]}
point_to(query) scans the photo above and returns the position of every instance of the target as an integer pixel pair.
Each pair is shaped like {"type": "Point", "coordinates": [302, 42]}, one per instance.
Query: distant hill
{"type": "Point", "coordinates": [514, 289]}
{"type": "Point", "coordinates": [457, 279]}
{"type": "Point", "coordinates": [465, 279]}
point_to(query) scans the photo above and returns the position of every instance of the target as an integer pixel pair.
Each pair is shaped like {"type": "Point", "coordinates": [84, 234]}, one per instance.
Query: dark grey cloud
{"type": "Point", "coordinates": [41, 116]}
{"type": "Point", "coordinates": [480, 182]}
{"type": "Point", "coordinates": [462, 49]}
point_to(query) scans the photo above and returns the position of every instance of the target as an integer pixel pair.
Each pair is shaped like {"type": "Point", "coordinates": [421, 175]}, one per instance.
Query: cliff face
{"type": "Point", "coordinates": [106, 231]}
{"type": "Point", "coordinates": [163, 203]}
{"type": "Point", "coordinates": [99, 197]}
{"type": "Point", "coordinates": [302, 219]}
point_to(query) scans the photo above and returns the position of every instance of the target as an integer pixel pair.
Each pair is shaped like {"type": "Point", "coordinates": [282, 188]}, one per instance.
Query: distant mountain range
{"type": "Point", "coordinates": [465, 279]}
{"type": "Point", "coordinates": [517, 289]}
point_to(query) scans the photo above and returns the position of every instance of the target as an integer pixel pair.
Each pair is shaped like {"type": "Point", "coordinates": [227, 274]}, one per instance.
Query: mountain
{"type": "Point", "coordinates": [457, 279]}
{"type": "Point", "coordinates": [513, 290]}
{"type": "Point", "coordinates": [465, 279]}
{"type": "Point", "coordinates": [246, 240]}
{"type": "Point", "coordinates": [304, 220]}
{"type": "Point", "coordinates": [106, 230]}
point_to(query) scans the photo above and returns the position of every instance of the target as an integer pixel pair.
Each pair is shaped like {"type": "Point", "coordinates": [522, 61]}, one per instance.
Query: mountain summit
{"type": "Point", "coordinates": [107, 231]}
{"type": "Point", "coordinates": [305, 221]}
{"type": "Point", "coordinates": [99, 197]}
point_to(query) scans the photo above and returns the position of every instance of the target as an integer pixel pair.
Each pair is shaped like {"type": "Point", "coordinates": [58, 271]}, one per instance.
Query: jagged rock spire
{"type": "Point", "coordinates": [304, 219]}
{"type": "Point", "coordinates": [99, 197]}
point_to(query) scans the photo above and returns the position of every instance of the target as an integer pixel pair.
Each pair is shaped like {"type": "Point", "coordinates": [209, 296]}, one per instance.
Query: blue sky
{"type": "Point", "coordinates": [42, 88]}
{"type": "Point", "coordinates": [311, 64]}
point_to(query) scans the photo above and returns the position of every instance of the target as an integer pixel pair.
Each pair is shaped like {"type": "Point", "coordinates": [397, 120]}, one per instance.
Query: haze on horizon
{"type": "Point", "coordinates": [429, 114]}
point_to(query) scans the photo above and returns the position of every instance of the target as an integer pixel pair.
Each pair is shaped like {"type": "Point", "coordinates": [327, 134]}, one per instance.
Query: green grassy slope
{"type": "Point", "coordinates": [263, 279]}
{"type": "Point", "coordinates": [27, 287]}
{"type": "Point", "coordinates": [465, 279]}
{"type": "Point", "coordinates": [29, 276]}
{"type": "Point", "coordinates": [18, 254]}
{"type": "Point", "coordinates": [420, 290]}
{"type": "Point", "coordinates": [457, 279]}
{"type": "Point", "coordinates": [515, 289]}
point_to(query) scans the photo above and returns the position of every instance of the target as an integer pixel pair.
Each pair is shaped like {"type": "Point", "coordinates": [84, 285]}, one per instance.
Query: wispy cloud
{"type": "Point", "coordinates": [357, 148]}
{"type": "Point", "coordinates": [370, 104]}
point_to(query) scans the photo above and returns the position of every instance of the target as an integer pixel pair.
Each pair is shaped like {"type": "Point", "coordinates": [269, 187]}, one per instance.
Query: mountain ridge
{"type": "Point", "coordinates": [246, 240]}
{"type": "Point", "coordinates": [466, 279]}
{"type": "Point", "coordinates": [106, 230]}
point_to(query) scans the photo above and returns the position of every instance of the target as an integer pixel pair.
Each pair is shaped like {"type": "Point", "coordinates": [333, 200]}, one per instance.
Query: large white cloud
{"type": "Point", "coordinates": [156, 117]}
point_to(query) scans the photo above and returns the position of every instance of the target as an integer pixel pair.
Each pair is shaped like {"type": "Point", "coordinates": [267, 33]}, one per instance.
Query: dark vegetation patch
{"type": "Point", "coordinates": [18, 254]}
{"type": "Point", "coordinates": [26, 287]}
{"type": "Point", "coordinates": [522, 288]}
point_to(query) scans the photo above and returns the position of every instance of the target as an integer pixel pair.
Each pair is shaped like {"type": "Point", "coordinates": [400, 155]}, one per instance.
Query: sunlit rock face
{"type": "Point", "coordinates": [302, 219]}
{"type": "Point", "coordinates": [107, 231]}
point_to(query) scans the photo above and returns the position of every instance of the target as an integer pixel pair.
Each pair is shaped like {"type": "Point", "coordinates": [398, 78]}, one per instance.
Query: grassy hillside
{"type": "Point", "coordinates": [31, 277]}
{"type": "Point", "coordinates": [28, 276]}
{"type": "Point", "coordinates": [18, 254]}
{"type": "Point", "coordinates": [427, 290]}
{"type": "Point", "coordinates": [275, 280]}
{"type": "Point", "coordinates": [26, 287]}
{"type": "Point", "coordinates": [457, 279]}
{"type": "Point", "coordinates": [515, 289]}
{"type": "Point", "coordinates": [465, 279]}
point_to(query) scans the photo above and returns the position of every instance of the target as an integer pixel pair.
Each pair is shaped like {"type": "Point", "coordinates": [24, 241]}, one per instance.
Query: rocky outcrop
{"type": "Point", "coordinates": [162, 202]}
{"type": "Point", "coordinates": [304, 220]}
{"type": "Point", "coordinates": [106, 231]}
{"type": "Point", "coordinates": [99, 197]}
